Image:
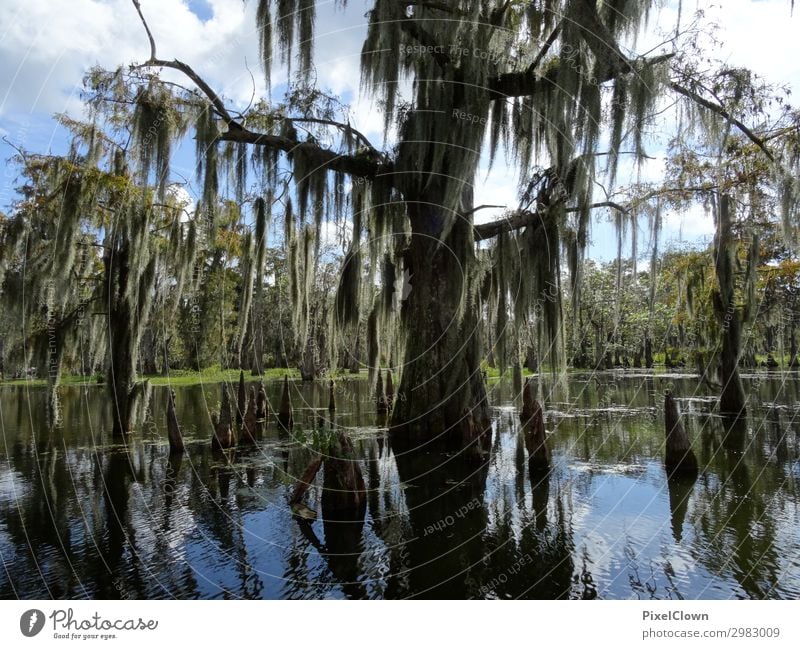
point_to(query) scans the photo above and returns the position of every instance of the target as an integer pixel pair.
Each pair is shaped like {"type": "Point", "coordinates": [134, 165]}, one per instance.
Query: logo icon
{"type": "Point", "coordinates": [31, 622]}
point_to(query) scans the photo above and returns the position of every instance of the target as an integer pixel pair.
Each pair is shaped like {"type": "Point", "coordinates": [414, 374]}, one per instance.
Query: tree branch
{"type": "Point", "coordinates": [428, 4]}
{"type": "Point", "coordinates": [343, 127]}
{"type": "Point", "coordinates": [525, 218]}
{"type": "Point", "coordinates": [481, 207]}
{"type": "Point", "coordinates": [526, 83]}
{"type": "Point", "coordinates": [545, 48]}
{"type": "Point", "coordinates": [514, 221]}
{"type": "Point", "coordinates": [138, 6]}
{"type": "Point", "coordinates": [212, 96]}
{"type": "Point", "coordinates": [364, 166]}
{"type": "Point", "coordinates": [720, 110]}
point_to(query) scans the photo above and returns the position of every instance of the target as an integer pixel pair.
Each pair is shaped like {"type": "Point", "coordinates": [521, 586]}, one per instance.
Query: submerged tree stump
{"type": "Point", "coordinates": [380, 397]}
{"type": "Point", "coordinates": [532, 419]}
{"type": "Point", "coordinates": [261, 402]}
{"type": "Point", "coordinates": [241, 399]}
{"type": "Point", "coordinates": [285, 418]}
{"type": "Point", "coordinates": [250, 421]}
{"type": "Point", "coordinates": [344, 495]}
{"type": "Point", "coordinates": [173, 428]}
{"type": "Point", "coordinates": [536, 438]}
{"type": "Point", "coordinates": [223, 431]}
{"type": "Point", "coordinates": [331, 397]}
{"type": "Point", "coordinates": [299, 491]}
{"type": "Point", "coordinates": [527, 402]}
{"type": "Point", "coordinates": [679, 457]}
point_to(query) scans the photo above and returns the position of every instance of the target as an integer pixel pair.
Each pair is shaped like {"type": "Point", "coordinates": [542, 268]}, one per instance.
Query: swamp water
{"type": "Point", "coordinates": [84, 517]}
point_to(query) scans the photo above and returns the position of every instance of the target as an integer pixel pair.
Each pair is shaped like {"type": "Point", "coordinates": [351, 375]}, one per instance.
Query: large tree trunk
{"type": "Point", "coordinates": [441, 376]}
{"type": "Point", "coordinates": [794, 363]}
{"type": "Point", "coordinates": [732, 399]}
{"type": "Point", "coordinates": [599, 363]}
{"type": "Point", "coordinates": [121, 368]}
{"type": "Point", "coordinates": [533, 364]}
{"type": "Point", "coordinates": [308, 361]}
{"type": "Point", "coordinates": [148, 351]}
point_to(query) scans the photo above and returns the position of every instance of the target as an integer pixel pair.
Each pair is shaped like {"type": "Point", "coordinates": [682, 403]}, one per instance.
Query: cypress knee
{"type": "Point", "coordinates": [299, 491]}
{"type": "Point", "coordinates": [223, 432]}
{"type": "Point", "coordinates": [527, 403]}
{"type": "Point", "coordinates": [261, 402]}
{"type": "Point", "coordinates": [173, 428]}
{"type": "Point", "coordinates": [536, 438]}
{"type": "Point", "coordinates": [343, 489]}
{"type": "Point", "coordinates": [679, 457]}
{"type": "Point", "coordinates": [241, 399]}
{"type": "Point", "coordinates": [285, 413]}
{"type": "Point", "coordinates": [249, 423]}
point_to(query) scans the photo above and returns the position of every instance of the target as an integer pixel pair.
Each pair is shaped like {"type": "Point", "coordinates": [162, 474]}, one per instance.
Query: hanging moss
{"type": "Point", "coordinates": [373, 341]}
{"type": "Point", "coordinates": [264, 26]}
{"type": "Point", "coordinates": [207, 156]}
{"type": "Point", "coordinates": [157, 124]}
{"type": "Point", "coordinates": [262, 209]}
{"type": "Point", "coordinates": [247, 267]}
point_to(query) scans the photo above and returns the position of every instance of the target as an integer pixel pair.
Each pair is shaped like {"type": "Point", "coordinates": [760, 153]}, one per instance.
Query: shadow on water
{"type": "Point", "coordinates": [82, 516]}
{"type": "Point", "coordinates": [680, 488]}
{"type": "Point", "coordinates": [440, 490]}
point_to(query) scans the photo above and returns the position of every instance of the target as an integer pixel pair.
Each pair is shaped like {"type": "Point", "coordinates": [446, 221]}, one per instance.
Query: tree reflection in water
{"type": "Point", "coordinates": [81, 516]}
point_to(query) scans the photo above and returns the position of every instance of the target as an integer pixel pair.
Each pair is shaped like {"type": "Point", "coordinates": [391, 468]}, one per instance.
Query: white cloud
{"type": "Point", "coordinates": [499, 187]}
{"type": "Point", "coordinates": [696, 222]}
{"type": "Point", "coordinates": [48, 45]}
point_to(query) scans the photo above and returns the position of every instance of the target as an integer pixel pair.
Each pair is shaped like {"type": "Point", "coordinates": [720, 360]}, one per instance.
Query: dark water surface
{"type": "Point", "coordinates": [81, 516]}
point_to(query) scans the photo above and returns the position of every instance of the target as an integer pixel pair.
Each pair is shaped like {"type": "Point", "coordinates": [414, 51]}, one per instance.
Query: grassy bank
{"type": "Point", "coordinates": [181, 378]}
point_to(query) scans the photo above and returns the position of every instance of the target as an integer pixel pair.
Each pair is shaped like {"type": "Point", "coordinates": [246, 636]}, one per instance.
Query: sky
{"type": "Point", "coordinates": [46, 47]}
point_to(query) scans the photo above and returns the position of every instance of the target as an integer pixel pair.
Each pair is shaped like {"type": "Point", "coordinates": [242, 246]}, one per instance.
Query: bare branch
{"type": "Point", "coordinates": [147, 29]}
{"type": "Point", "coordinates": [343, 127]}
{"type": "Point", "coordinates": [482, 207]}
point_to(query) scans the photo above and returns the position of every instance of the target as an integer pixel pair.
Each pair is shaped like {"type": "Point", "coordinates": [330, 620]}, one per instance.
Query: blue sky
{"type": "Point", "coordinates": [47, 45]}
